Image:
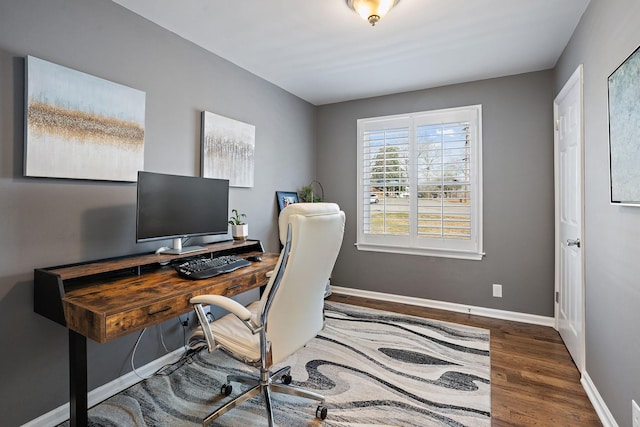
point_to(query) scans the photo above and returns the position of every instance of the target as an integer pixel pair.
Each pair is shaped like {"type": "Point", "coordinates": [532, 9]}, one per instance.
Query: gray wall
{"type": "Point", "coordinates": [48, 222]}
{"type": "Point", "coordinates": [608, 33]}
{"type": "Point", "coordinates": [45, 222]}
{"type": "Point", "coordinates": [518, 197]}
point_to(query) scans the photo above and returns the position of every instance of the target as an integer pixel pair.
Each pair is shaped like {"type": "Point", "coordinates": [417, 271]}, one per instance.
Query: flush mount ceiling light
{"type": "Point", "coordinates": [372, 10]}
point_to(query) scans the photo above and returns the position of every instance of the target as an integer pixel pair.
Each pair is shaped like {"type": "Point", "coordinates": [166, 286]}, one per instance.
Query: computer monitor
{"type": "Point", "coordinates": [175, 207]}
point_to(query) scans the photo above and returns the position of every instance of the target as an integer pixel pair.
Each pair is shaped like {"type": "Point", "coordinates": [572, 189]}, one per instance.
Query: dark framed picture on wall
{"type": "Point", "coordinates": [286, 198]}
{"type": "Point", "coordinates": [624, 133]}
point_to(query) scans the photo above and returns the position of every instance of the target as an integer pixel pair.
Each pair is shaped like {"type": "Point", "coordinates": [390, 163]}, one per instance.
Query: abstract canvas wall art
{"type": "Point", "coordinates": [624, 131]}
{"type": "Point", "coordinates": [227, 149]}
{"type": "Point", "coordinates": [80, 126]}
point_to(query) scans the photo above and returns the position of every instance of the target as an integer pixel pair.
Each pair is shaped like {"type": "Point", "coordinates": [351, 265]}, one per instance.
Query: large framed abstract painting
{"type": "Point", "coordinates": [227, 149]}
{"type": "Point", "coordinates": [80, 126]}
{"type": "Point", "coordinates": [624, 131]}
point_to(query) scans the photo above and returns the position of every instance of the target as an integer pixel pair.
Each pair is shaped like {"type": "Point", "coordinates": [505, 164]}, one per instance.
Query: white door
{"type": "Point", "coordinates": [569, 308]}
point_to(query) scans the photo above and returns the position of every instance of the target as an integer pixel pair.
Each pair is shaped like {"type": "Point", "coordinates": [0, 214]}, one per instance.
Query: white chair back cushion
{"type": "Point", "coordinates": [296, 313]}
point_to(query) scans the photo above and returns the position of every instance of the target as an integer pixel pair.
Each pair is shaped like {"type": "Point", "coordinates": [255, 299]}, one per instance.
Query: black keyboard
{"type": "Point", "coordinates": [203, 268]}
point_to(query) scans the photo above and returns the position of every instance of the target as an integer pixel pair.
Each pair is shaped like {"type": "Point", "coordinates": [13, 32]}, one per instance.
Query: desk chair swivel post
{"type": "Point", "coordinates": [290, 312]}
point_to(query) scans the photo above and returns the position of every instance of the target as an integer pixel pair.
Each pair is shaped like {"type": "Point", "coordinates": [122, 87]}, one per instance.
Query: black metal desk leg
{"type": "Point", "coordinates": [78, 379]}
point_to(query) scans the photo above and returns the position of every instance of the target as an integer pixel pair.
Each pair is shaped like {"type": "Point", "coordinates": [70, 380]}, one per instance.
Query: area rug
{"type": "Point", "coordinates": [375, 368]}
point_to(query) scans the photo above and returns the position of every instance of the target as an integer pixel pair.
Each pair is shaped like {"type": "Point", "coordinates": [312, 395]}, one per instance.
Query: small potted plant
{"type": "Point", "coordinates": [239, 228]}
{"type": "Point", "coordinates": [307, 194]}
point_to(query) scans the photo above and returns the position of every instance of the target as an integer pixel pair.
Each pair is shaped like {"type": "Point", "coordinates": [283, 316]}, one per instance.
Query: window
{"type": "Point", "coordinates": [420, 183]}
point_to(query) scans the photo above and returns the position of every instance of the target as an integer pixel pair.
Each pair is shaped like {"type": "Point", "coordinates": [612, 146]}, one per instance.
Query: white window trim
{"type": "Point", "coordinates": [413, 244]}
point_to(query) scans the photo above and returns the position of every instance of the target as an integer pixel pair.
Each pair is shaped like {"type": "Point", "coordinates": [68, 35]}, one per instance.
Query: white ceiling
{"type": "Point", "coordinates": [323, 52]}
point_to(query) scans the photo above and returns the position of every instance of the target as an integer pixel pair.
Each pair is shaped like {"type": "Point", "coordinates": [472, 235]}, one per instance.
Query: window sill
{"type": "Point", "coordinates": [474, 256]}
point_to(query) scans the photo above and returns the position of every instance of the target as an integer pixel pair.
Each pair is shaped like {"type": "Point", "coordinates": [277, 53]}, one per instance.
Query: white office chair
{"type": "Point", "coordinates": [290, 312]}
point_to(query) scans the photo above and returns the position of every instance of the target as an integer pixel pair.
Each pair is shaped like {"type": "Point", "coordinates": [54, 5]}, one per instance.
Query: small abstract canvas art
{"type": "Point", "coordinates": [80, 126]}
{"type": "Point", "coordinates": [227, 149]}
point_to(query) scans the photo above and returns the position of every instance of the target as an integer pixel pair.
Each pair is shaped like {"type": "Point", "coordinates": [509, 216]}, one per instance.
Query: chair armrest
{"type": "Point", "coordinates": [227, 303]}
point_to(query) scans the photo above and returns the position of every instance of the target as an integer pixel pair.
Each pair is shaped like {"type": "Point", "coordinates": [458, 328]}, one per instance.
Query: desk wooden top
{"type": "Point", "coordinates": [85, 269]}
{"type": "Point", "coordinates": [107, 299]}
{"type": "Point", "coordinates": [113, 308]}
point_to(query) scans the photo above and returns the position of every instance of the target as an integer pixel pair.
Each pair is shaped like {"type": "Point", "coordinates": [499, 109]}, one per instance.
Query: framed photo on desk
{"type": "Point", "coordinates": [285, 198]}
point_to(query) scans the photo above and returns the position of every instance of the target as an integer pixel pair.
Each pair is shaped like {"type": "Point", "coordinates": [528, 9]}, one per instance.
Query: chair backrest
{"type": "Point", "coordinates": [293, 301]}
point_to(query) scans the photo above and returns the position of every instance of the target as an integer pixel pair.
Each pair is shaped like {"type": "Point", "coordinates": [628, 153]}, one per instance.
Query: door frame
{"type": "Point", "coordinates": [576, 77]}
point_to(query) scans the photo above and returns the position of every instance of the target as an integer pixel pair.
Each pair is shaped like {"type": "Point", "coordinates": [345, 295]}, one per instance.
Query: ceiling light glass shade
{"type": "Point", "coordinates": [372, 10]}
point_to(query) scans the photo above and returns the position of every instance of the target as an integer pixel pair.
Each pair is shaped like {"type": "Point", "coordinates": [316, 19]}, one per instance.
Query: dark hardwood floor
{"type": "Point", "coordinates": [534, 381]}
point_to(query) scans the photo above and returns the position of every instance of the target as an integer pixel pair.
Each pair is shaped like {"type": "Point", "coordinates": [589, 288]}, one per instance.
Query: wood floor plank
{"type": "Point", "coordinates": [534, 381]}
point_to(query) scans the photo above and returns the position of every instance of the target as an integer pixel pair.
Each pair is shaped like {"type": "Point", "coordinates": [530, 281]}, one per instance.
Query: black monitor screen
{"type": "Point", "coordinates": [171, 206]}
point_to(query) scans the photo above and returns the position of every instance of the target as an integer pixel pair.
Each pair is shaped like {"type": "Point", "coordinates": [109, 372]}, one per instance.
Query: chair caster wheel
{"type": "Point", "coordinates": [286, 379]}
{"type": "Point", "coordinates": [226, 389]}
{"type": "Point", "coordinates": [321, 412]}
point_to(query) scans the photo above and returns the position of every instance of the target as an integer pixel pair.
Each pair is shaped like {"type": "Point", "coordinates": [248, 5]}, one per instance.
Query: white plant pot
{"type": "Point", "coordinates": [240, 232]}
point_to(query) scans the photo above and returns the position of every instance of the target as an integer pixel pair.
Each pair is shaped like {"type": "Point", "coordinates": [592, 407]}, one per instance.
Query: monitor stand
{"type": "Point", "coordinates": [178, 249]}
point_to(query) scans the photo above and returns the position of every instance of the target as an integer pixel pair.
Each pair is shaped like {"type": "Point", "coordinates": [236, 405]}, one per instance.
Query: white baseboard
{"type": "Point", "coordinates": [596, 400]}
{"type": "Point", "coordinates": [442, 305]}
{"type": "Point", "coordinates": [61, 413]}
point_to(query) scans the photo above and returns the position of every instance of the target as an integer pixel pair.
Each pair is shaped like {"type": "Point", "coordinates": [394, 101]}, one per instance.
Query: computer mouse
{"type": "Point", "coordinates": [254, 258]}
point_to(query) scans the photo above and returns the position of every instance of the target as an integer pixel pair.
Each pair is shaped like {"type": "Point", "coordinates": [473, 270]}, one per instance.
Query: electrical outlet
{"type": "Point", "coordinates": [184, 322]}
{"type": "Point", "coordinates": [497, 291]}
{"type": "Point", "coordinates": [635, 414]}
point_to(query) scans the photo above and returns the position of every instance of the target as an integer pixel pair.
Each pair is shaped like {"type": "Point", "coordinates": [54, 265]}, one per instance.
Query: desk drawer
{"type": "Point", "coordinates": [123, 323]}
{"type": "Point", "coordinates": [114, 308]}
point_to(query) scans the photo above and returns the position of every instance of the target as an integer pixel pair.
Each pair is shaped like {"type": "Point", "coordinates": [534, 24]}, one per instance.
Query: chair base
{"type": "Point", "coordinates": [266, 385]}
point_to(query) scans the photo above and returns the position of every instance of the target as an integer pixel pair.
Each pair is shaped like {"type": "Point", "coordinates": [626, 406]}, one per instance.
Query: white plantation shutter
{"type": "Point", "coordinates": [385, 165]}
{"type": "Point", "coordinates": [443, 179]}
{"type": "Point", "coordinates": [419, 188]}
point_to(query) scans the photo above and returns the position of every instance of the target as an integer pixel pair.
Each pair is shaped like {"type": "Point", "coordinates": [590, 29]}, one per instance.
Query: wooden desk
{"type": "Point", "coordinates": [106, 299]}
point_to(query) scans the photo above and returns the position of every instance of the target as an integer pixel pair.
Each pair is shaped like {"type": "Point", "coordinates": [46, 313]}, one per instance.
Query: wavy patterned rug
{"type": "Point", "coordinates": [375, 368]}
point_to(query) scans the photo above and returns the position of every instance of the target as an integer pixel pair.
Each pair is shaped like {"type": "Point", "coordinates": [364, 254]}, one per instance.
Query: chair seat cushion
{"type": "Point", "coordinates": [234, 336]}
